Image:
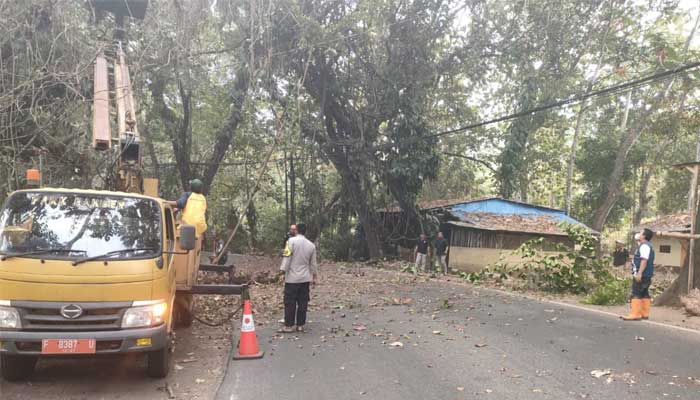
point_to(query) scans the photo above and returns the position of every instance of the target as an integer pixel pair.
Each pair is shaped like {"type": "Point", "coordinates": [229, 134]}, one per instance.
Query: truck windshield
{"type": "Point", "coordinates": [89, 225]}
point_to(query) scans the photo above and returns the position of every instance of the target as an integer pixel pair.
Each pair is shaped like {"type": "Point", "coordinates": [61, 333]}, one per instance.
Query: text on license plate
{"type": "Point", "coordinates": [68, 346]}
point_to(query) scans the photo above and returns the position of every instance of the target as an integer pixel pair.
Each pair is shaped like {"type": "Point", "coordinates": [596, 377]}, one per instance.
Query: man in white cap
{"type": "Point", "coordinates": [620, 255]}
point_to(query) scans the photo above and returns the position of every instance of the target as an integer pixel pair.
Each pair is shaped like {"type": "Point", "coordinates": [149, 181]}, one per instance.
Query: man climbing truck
{"type": "Point", "coordinates": [86, 273]}
{"type": "Point", "coordinates": [194, 206]}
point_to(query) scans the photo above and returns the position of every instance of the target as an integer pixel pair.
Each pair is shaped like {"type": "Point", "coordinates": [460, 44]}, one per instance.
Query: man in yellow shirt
{"type": "Point", "coordinates": [194, 207]}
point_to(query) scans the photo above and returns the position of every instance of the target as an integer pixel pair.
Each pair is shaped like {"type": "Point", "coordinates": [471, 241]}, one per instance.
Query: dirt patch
{"type": "Point", "coordinates": [199, 355]}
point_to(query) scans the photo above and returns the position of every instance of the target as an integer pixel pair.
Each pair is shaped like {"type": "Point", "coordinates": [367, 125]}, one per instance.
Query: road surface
{"type": "Point", "coordinates": [437, 340]}
{"type": "Point", "coordinates": [377, 334]}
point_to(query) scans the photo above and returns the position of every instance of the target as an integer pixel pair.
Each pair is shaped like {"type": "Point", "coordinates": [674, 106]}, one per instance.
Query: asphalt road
{"type": "Point", "coordinates": [478, 344]}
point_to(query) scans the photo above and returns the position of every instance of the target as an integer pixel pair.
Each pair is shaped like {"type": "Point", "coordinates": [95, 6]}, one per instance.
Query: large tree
{"type": "Point", "coordinates": [373, 91]}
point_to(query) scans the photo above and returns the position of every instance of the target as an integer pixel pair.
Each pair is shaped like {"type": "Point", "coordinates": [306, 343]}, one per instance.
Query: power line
{"type": "Point", "coordinates": [621, 87]}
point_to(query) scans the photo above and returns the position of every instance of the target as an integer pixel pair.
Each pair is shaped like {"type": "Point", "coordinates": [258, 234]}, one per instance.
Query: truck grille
{"type": "Point", "coordinates": [46, 316]}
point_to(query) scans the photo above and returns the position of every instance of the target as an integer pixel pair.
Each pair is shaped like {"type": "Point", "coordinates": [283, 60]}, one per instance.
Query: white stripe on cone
{"type": "Point", "coordinates": [248, 324]}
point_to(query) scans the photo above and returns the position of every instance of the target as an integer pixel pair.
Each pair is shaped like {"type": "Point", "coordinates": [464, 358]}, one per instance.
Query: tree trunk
{"type": "Point", "coordinates": [412, 213]}
{"type": "Point", "coordinates": [643, 197]}
{"type": "Point", "coordinates": [523, 187]}
{"type": "Point", "coordinates": [286, 192]}
{"type": "Point", "coordinates": [145, 132]}
{"type": "Point", "coordinates": [292, 189]}
{"type": "Point", "coordinates": [339, 127]}
{"type": "Point", "coordinates": [178, 129]}
{"type": "Point", "coordinates": [579, 118]}
{"type": "Point", "coordinates": [615, 179]}
{"type": "Point", "coordinates": [361, 202]}
{"type": "Point", "coordinates": [572, 159]}
{"type": "Point", "coordinates": [237, 98]}
{"type": "Point", "coordinates": [252, 219]}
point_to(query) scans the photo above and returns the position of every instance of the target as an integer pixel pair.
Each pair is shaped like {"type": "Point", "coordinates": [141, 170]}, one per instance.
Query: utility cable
{"type": "Point", "coordinates": [621, 87]}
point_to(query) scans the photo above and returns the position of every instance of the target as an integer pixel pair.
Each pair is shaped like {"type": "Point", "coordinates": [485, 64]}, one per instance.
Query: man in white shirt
{"type": "Point", "coordinates": [300, 270]}
{"type": "Point", "coordinates": [642, 272]}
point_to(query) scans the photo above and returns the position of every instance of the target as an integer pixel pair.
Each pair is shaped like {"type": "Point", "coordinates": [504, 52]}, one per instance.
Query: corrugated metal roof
{"type": "Point", "coordinates": [444, 203]}
{"type": "Point", "coordinates": [668, 223]}
{"type": "Point", "coordinates": [500, 206]}
{"type": "Point", "coordinates": [498, 214]}
{"type": "Point", "coordinates": [534, 224]}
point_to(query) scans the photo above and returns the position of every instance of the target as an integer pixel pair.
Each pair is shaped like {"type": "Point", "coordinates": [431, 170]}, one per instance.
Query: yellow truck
{"type": "Point", "coordinates": [86, 272]}
{"type": "Point", "coordinates": [92, 272]}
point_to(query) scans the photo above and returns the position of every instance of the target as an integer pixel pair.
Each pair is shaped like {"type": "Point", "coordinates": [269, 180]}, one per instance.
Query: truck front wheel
{"type": "Point", "coordinates": [16, 368]}
{"type": "Point", "coordinates": [158, 363]}
{"type": "Point", "coordinates": [184, 310]}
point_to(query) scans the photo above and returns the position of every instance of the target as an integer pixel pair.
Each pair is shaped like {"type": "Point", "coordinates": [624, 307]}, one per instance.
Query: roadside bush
{"type": "Point", "coordinates": [336, 245]}
{"type": "Point", "coordinates": [553, 268]}
{"type": "Point", "coordinates": [613, 292]}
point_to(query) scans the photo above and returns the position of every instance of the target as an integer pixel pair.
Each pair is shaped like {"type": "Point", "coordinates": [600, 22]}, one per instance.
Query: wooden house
{"type": "Point", "coordinates": [668, 251]}
{"type": "Point", "coordinates": [481, 231]}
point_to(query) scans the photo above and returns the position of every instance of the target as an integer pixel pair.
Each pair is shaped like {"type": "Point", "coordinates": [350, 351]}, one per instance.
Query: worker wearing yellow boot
{"type": "Point", "coordinates": [642, 272]}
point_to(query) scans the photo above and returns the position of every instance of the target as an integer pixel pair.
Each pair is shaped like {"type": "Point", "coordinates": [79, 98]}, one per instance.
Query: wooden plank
{"type": "Point", "coordinates": [693, 227]}
{"type": "Point", "coordinates": [676, 235]}
{"type": "Point", "coordinates": [216, 289]}
{"type": "Point", "coordinates": [101, 131]}
{"type": "Point", "coordinates": [150, 187]}
{"type": "Point", "coordinates": [119, 98]}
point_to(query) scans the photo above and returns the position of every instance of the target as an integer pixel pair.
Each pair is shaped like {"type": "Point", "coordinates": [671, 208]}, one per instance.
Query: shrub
{"type": "Point", "coordinates": [336, 245]}
{"type": "Point", "coordinates": [568, 270]}
{"type": "Point", "coordinates": [615, 291]}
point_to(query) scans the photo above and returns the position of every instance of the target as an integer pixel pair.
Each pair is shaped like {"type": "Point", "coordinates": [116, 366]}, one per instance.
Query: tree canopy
{"type": "Point", "coordinates": [356, 101]}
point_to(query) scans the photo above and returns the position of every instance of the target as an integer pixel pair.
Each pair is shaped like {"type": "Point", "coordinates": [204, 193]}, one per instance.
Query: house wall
{"type": "Point", "coordinates": [470, 259]}
{"type": "Point", "coordinates": [673, 258]}
{"type": "Point", "coordinates": [472, 250]}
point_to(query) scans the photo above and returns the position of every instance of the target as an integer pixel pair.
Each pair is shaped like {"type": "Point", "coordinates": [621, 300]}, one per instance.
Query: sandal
{"type": "Point", "coordinates": [286, 329]}
{"type": "Point", "coordinates": [300, 329]}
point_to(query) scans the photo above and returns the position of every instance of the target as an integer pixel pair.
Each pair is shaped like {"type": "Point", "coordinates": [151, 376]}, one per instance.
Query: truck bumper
{"type": "Point", "coordinates": [108, 342]}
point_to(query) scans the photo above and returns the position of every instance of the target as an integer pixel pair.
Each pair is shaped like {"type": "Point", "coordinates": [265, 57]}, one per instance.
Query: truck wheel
{"type": "Point", "coordinates": [17, 368]}
{"type": "Point", "coordinates": [158, 363]}
{"type": "Point", "coordinates": [183, 311]}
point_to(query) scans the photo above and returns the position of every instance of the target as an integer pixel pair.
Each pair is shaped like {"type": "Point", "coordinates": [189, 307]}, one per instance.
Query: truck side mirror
{"type": "Point", "coordinates": [188, 237]}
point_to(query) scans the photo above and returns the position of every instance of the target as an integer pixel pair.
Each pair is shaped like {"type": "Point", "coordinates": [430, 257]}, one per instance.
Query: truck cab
{"type": "Point", "coordinates": [85, 272]}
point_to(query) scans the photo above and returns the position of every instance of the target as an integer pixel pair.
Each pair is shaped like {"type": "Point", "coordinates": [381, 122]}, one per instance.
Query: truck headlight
{"type": "Point", "coordinates": [145, 316]}
{"type": "Point", "coordinates": [9, 318]}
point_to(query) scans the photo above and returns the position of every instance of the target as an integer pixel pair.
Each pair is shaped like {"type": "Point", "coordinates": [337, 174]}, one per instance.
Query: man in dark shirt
{"type": "Point", "coordinates": [422, 251]}
{"type": "Point", "coordinates": [441, 249]}
{"type": "Point", "coordinates": [621, 255]}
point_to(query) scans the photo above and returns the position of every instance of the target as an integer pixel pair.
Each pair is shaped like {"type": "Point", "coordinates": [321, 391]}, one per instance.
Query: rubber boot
{"type": "Point", "coordinates": [635, 312]}
{"type": "Point", "coordinates": [646, 308]}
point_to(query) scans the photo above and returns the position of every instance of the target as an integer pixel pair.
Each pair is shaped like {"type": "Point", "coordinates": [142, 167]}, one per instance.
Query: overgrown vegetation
{"type": "Point", "coordinates": [350, 95]}
{"type": "Point", "coordinates": [558, 268]}
{"type": "Point", "coordinates": [610, 292]}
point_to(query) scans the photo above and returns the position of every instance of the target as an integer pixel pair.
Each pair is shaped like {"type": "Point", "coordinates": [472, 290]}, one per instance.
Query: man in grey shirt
{"type": "Point", "coordinates": [300, 270]}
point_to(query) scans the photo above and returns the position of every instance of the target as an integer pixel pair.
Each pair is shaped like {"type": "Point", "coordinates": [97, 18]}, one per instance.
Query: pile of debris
{"type": "Point", "coordinates": [691, 302]}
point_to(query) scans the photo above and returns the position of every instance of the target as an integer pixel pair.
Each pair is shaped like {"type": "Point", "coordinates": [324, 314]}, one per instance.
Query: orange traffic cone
{"type": "Point", "coordinates": [248, 343]}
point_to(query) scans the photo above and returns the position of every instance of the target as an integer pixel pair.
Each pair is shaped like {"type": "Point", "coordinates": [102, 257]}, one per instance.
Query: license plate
{"type": "Point", "coordinates": [68, 346]}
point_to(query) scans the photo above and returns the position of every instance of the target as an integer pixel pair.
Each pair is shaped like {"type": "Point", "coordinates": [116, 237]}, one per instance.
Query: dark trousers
{"type": "Point", "coordinates": [296, 301]}
{"type": "Point", "coordinates": [640, 290]}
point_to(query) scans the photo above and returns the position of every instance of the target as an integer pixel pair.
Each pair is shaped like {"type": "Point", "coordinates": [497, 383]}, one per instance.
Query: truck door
{"type": "Point", "coordinates": [169, 238]}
